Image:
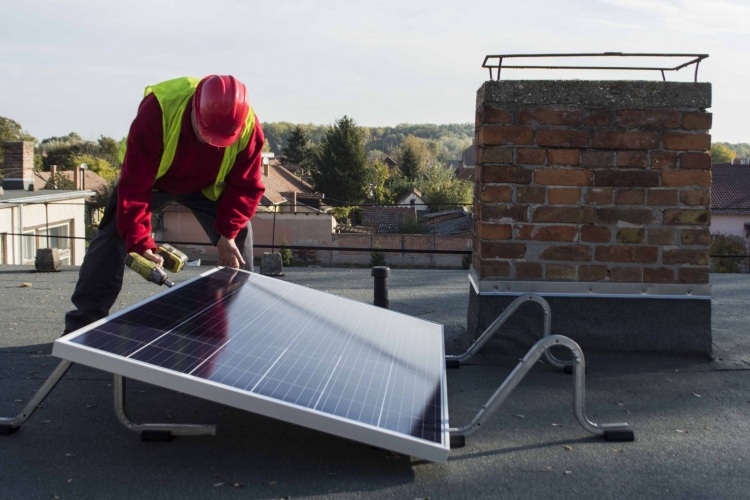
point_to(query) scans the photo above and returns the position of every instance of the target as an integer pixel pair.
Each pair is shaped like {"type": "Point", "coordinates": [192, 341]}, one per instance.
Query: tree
{"type": "Point", "coordinates": [378, 174]}
{"type": "Point", "coordinates": [11, 130]}
{"type": "Point", "coordinates": [439, 187]}
{"type": "Point", "coordinates": [721, 154]}
{"type": "Point", "coordinates": [410, 161]}
{"type": "Point", "coordinates": [338, 166]}
{"type": "Point", "coordinates": [296, 149]}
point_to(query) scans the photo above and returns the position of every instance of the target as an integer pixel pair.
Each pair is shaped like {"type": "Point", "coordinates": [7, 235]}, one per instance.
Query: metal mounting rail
{"type": "Point", "coordinates": [154, 432]}
{"type": "Point", "coordinates": [454, 360]}
{"type": "Point", "coordinates": [695, 59]}
{"type": "Point", "coordinates": [611, 432]}
{"type": "Point", "coordinates": [149, 432]}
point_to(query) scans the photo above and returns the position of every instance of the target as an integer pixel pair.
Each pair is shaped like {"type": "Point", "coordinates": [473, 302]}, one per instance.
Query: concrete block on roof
{"type": "Point", "coordinates": [48, 260]}
{"type": "Point", "coordinates": [270, 264]}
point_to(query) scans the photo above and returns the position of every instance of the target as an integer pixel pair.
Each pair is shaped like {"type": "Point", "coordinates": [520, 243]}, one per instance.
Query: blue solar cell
{"type": "Point", "coordinates": [272, 339]}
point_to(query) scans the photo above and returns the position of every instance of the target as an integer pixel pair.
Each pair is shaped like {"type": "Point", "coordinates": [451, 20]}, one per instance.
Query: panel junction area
{"type": "Point", "coordinates": [284, 351]}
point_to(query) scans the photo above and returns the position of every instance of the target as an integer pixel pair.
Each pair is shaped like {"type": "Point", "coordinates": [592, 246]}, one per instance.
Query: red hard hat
{"type": "Point", "coordinates": [221, 109]}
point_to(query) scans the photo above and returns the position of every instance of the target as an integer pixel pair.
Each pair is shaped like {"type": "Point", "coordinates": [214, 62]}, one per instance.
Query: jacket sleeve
{"type": "Point", "coordinates": [244, 188]}
{"type": "Point", "coordinates": [139, 169]}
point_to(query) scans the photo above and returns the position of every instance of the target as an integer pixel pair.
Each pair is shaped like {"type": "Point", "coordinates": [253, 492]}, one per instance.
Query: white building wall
{"type": "Point", "coordinates": [34, 217]}
{"type": "Point", "coordinates": [729, 224]}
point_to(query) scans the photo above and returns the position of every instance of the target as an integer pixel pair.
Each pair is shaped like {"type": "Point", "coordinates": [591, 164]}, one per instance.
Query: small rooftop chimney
{"type": "Point", "coordinates": [18, 165]}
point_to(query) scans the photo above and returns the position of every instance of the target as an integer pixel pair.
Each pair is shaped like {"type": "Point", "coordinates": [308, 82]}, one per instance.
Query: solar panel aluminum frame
{"type": "Point", "coordinates": [64, 348]}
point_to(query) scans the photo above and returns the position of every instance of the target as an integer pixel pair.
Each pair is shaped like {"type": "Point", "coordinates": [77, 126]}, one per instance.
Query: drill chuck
{"type": "Point", "coordinates": [148, 269]}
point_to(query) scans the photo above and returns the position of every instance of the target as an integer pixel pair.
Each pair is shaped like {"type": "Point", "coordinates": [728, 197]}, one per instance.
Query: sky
{"type": "Point", "coordinates": [81, 65]}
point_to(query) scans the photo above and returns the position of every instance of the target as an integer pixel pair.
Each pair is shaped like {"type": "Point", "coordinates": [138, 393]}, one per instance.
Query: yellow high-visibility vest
{"type": "Point", "coordinates": [173, 97]}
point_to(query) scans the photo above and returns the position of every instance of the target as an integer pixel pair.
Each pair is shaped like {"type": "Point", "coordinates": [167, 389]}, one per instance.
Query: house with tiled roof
{"type": "Point", "coordinates": [730, 200]}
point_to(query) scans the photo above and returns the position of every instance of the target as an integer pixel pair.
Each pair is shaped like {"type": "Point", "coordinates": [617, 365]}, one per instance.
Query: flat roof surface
{"type": "Point", "coordinates": [690, 415]}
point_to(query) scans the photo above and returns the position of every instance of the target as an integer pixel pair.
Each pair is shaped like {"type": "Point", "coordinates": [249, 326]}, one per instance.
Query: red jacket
{"type": "Point", "coordinates": [195, 166]}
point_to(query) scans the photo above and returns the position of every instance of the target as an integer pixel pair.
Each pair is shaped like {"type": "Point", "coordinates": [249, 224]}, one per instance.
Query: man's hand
{"type": "Point", "coordinates": [154, 257]}
{"type": "Point", "coordinates": [229, 254]}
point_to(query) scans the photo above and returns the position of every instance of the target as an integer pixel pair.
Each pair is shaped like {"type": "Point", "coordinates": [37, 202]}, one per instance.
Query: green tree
{"type": "Point", "coordinates": [410, 162]}
{"type": "Point", "coordinates": [97, 165]}
{"type": "Point", "coordinates": [297, 147]}
{"type": "Point", "coordinates": [338, 166]}
{"type": "Point", "coordinates": [439, 187]}
{"type": "Point", "coordinates": [377, 258]}
{"type": "Point", "coordinates": [378, 174]}
{"type": "Point", "coordinates": [11, 130]}
{"type": "Point", "coordinates": [721, 153]}
{"type": "Point", "coordinates": [727, 244]}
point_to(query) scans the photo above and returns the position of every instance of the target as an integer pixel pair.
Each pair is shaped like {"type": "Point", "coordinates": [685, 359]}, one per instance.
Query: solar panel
{"type": "Point", "coordinates": [285, 351]}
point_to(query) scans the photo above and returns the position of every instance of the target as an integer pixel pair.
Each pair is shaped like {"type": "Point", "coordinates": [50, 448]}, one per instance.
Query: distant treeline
{"type": "Point", "coordinates": [450, 139]}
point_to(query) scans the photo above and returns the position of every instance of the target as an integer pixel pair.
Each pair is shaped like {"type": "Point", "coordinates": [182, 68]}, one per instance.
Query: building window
{"type": "Point", "coordinates": [28, 254]}
{"type": "Point", "coordinates": [58, 238]}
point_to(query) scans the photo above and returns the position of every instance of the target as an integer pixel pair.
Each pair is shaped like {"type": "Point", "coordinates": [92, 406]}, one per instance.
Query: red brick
{"type": "Point", "coordinates": [595, 158]}
{"type": "Point", "coordinates": [563, 156]}
{"type": "Point", "coordinates": [489, 154]}
{"type": "Point", "coordinates": [565, 215]}
{"type": "Point", "coordinates": [496, 193]}
{"type": "Point", "coordinates": [563, 177]}
{"type": "Point", "coordinates": [495, 231]}
{"type": "Point", "coordinates": [629, 197]}
{"type": "Point", "coordinates": [662, 160]}
{"type": "Point", "coordinates": [495, 115]}
{"type": "Point", "coordinates": [640, 216]}
{"type": "Point", "coordinates": [562, 138]}
{"type": "Point", "coordinates": [635, 254]}
{"type": "Point", "coordinates": [700, 161]}
{"type": "Point", "coordinates": [503, 212]}
{"type": "Point", "coordinates": [493, 268]}
{"type": "Point", "coordinates": [506, 174]}
{"type": "Point", "coordinates": [506, 135]}
{"type": "Point", "coordinates": [685, 256]}
{"type": "Point", "coordinates": [684, 178]}
{"type": "Point", "coordinates": [530, 194]}
{"type": "Point", "coordinates": [610, 139]}
{"type": "Point", "coordinates": [648, 118]}
{"type": "Point", "coordinates": [545, 116]}
{"type": "Point", "coordinates": [598, 234]}
{"type": "Point", "coordinates": [696, 121]}
{"type": "Point", "coordinates": [598, 118]}
{"type": "Point", "coordinates": [561, 272]}
{"type": "Point", "coordinates": [693, 275]}
{"type": "Point", "coordinates": [578, 253]}
{"type": "Point", "coordinates": [661, 237]}
{"type": "Point", "coordinates": [696, 197]}
{"type": "Point", "coordinates": [625, 274]}
{"type": "Point", "coordinates": [695, 237]}
{"type": "Point", "coordinates": [592, 273]}
{"type": "Point", "coordinates": [528, 270]}
{"type": "Point", "coordinates": [626, 178]}
{"type": "Point", "coordinates": [531, 156]}
{"type": "Point", "coordinates": [632, 159]}
{"type": "Point", "coordinates": [687, 217]}
{"type": "Point", "coordinates": [564, 196]}
{"type": "Point", "coordinates": [658, 275]}
{"type": "Point", "coordinates": [546, 233]}
{"type": "Point", "coordinates": [661, 197]}
{"type": "Point", "coordinates": [677, 140]}
{"type": "Point", "coordinates": [598, 196]}
{"type": "Point", "coordinates": [491, 249]}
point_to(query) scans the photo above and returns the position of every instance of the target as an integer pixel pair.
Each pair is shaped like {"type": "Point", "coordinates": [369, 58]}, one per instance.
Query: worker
{"type": "Point", "coordinates": [194, 142]}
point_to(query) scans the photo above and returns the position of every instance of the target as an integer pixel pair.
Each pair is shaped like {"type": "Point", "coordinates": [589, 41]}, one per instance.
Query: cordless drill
{"type": "Point", "coordinates": [174, 261]}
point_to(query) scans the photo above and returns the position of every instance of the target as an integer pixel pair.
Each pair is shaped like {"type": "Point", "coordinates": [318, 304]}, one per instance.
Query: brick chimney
{"type": "Point", "coordinates": [597, 194]}
{"type": "Point", "coordinates": [18, 165]}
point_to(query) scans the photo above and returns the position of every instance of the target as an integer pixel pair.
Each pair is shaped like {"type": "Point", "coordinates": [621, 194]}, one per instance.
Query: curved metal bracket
{"type": "Point", "coordinates": [10, 425]}
{"type": "Point", "coordinates": [169, 429]}
{"type": "Point", "coordinates": [495, 326]}
{"type": "Point", "coordinates": [619, 431]}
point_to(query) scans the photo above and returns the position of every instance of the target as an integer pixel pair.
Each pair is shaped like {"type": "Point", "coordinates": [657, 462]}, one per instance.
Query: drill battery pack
{"type": "Point", "coordinates": [174, 260]}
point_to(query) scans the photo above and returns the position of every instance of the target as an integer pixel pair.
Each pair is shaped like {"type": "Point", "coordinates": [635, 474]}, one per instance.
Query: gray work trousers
{"type": "Point", "coordinates": [100, 277]}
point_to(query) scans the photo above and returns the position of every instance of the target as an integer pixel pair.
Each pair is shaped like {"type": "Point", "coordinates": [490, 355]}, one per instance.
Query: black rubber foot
{"type": "Point", "coordinates": [7, 430]}
{"type": "Point", "coordinates": [619, 436]}
{"type": "Point", "coordinates": [458, 441]}
{"type": "Point", "coordinates": [452, 363]}
{"type": "Point", "coordinates": [160, 436]}
{"type": "Point", "coordinates": [571, 369]}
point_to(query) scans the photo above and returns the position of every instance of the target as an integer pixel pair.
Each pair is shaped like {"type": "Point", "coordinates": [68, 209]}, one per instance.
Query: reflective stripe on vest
{"type": "Point", "coordinates": [173, 97]}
